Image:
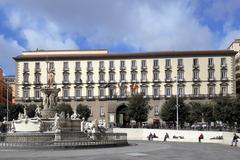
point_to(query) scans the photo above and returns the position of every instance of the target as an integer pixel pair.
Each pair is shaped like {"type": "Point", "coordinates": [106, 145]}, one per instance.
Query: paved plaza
{"type": "Point", "coordinates": [137, 150]}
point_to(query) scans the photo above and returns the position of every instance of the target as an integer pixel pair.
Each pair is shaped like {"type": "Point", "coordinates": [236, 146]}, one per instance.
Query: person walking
{"type": "Point", "coordinates": [235, 139]}
{"type": "Point", "coordinates": [165, 137]}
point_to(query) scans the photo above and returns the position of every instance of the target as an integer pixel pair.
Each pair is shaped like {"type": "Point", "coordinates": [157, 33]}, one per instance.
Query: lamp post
{"type": "Point", "coordinates": [7, 100]}
{"type": "Point", "coordinates": [177, 100]}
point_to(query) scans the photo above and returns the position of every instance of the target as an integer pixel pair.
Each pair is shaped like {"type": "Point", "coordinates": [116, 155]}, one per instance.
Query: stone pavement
{"type": "Point", "coordinates": [137, 150]}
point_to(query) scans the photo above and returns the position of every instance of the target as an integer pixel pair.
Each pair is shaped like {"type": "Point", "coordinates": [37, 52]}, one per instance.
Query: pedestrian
{"type": "Point", "coordinates": [235, 139]}
{"type": "Point", "coordinates": [166, 136]}
{"type": "Point", "coordinates": [150, 137]}
{"type": "Point", "coordinates": [200, 138]}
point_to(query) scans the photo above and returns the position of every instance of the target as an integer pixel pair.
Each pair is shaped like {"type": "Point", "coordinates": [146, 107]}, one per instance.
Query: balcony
{"type": "Point", "coordinates": [37, 82]}
{"type": "Point", "coordinates": [133, 80]}
{"type": "Point", "coordinates": [90, 69]}
{"type": "Point", "coordinates": [111, 68]}
{"type": "Point", "coordinates": [156, 80]}
{"type": "Point", "coordinates": [224, 79]}
{"type": "Point", "coordinates": [144, 68]}
{"type": "Point", "coordinates": [196, 66]}
{"type": "Point", "coordinates": [26, 99]}
{"type": "Point", "coordinates": [101, 68]}
{"type": "Point", "coordinates": [102, 98]}
{"type": "Point", "coordinates": [211, 79]}
{"type": "Point", "coordinates": [78, 98]}
{"type": "Point", "coordinates": [90, 98]}
{"type": "Point", "coordinates": [168, 67]}
{"type": "Point", "coordinates": [25, 82]}
{"type": "Point", "coordinates": [197, 96]}
{"type": "Point", "coordinates": [134, 68]}
{"type": "Point", "coordinates": [90, 82]}
{"type": "Point", "coordinates": [223, 66]}
{"type": "Point", "coordinates": [180, 66]}
{"type": "Point", "coordinates": [65, 82]}
{"type": "Point", "coordinates": [78, 69]}
{"type": "Point", "coordinates": [122, 68]}
{"type": "Point", "coordinates": [37, 70]}
{"type": "Point", "coordinates": [196, 79]}
{"type": "Point", "coordinates": [102, 114]}
{"type": "Point", "coordinates": [167, 80]}
{"type": "Point", "coordinates": [156, 67]}
{"type": "Point", "coordinates": [102, 81]}
{"type": "Point", "coordinates": [25, 70]}
{"type": "Point", "coordinates": [211, 66]}
{"type": "Point", "coordinates": [156, 97]}
{"type": "Point", "coordinates": [65, 69]}
{"type": "Point", "coordinates": [78, 81]}
{"type": "Point", "coordinates": [67, 98]}
{"type": "Point", "coordinates": [37, 99]}
{"type": "Point", "coordinates": [144, 80]}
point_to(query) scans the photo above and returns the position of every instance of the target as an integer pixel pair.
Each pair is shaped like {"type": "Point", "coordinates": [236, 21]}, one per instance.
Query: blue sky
{"type": "Point", "coordinates": [119, 26]}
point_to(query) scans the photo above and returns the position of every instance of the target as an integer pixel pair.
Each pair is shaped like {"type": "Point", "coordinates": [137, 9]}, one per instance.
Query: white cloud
{"type": "Point", "coordinates": [148, 25]}
{"type": "Point", "coordinates": [9, 48]}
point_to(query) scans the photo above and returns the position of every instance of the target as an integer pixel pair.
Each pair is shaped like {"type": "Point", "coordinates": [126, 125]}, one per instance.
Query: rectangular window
{"type": "Point", "coordinates": [156, 91]}
{"type": "Point", "coordinates": [180, 91]}
{"type": "Point", "coordinates": [89, 66]}
{"type": "Point", "coordinates": [180, 62]}
{"type": "Point", "coordinates": [223, 62]}
{"type": "Point", "coordinates": [66, 77]}
{"type": "Point", "coordinates": [101, 64]}
{"type": "Point", "coordinates": [122, 64]}
{"type": "Point", "coordinates": [180, 75]}
{"type": "Point", "coordinates": [101, 92]}
{"type": "Point", "coordinates": [65, 65]}
{"type": "Point", "coordinates": [122, 91]}
{"type": "Point", "coordinates": [155, 76]}
{"type": "Point", "coordinates": [89, 92]}
{"type": "Point", "coordinates": [65, 93]}
{"type": "Point", "coordinates": [101, 110]}
{"type": "Point", "coordinates": [25, 78]}
{"type": "Point", "coordinates": [224, 90]}
{"type": "Point", "coordinates": [168, 75]}
{"type": "Point", "coordinates": [37, 66]}
{"type": "Point", "coordinates": [223, 74]}
{"type": "Point", "coordinates": [25, 67]}
{"type": "Point", "coordinates": [111, 64]}
{"type": "Point", "coordinates": [168, 63]}
{"type": "Point", "coordinates": [155, 63]}
{"type": "Point", "coordinates": [134, 76]}
{"type": "Point", "coordinates": [211, 74]}
{"type": "Point", "coordinates": [144, 91]}
{"type": "Point", "coordinates": [156, 110]}
{"type": "Point", "coordinates": [195, 74]}
{"type": "Point", "coordinates": [78, 77]}
{"type": "Point", "coordinates": [195, 62]}
{"type": "Point", "coordinates": [122, 76]}
{"type": "Point", "coordinates": [144, 76]}
{"type": "Point", "coordinates": [37, 93]}
{"type": "Point", "coordinates": [78, 92]}
{"type": "Point", "coordinates": [134, 64]}
{"type": "Point", "coordinates": [102, 77]}
{"type": "Point", "coordinates": [25, 93]}
{"type": "Point", "coordinates": [78, 65]}
{"type": "Point", "coordinates": [112, 77]}
{"type": "Point", "coordinates": [211, 91]}
{"type": "Point", "coordinates": [89, 77]}
{"type": "Point", "coordinates": [51, 65]}
{"type": "Point", "coordinates": [168, 91]}
{"type": "Point", "coordinates": [37, 78]}
{"type": "Point", "coordinates": [144, 64]}
{"type": "Point", "coordinates": [196, 91]}
{"type": "Point", "coordinates": [210, 61]}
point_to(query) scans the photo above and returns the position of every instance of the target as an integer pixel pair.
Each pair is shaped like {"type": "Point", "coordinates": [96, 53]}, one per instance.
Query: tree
{"type": "Point", "coordinates": [64, 107]}
{"type": "Point", "coordinates": [31, 108]}
{"type": "Point", "coordinates": [225, 110]}
{"type": "Point", "coordinates": [200, 111]}
{"type": "Point", "coordinates": [13, 111]}
{"type": "Point", "coordinates": [83, 111]}
{"type": "Point", "coordinates": [138, 108]}
{"type": "Point", "coordinates": [168, 111]}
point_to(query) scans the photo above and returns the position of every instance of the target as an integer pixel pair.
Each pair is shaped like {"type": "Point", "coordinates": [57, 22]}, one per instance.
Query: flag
{"type": "Point", "coordinates": [134, 87]}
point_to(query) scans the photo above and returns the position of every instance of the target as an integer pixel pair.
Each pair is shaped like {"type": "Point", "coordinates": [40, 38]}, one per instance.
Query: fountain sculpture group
{"type": "Point", "coordinates": [52, 129]}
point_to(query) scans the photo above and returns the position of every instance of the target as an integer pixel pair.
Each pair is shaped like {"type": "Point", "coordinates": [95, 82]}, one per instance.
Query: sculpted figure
{"type": "Point", "coordinates": [50, 79]}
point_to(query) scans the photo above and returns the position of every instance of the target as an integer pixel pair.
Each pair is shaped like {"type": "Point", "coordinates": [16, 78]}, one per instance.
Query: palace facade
{"type": "Point", "coordinates": [104, 81]}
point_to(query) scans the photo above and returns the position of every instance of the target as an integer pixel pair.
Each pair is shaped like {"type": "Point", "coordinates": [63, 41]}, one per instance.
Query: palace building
{"type": "Point", "coordinates": [105, 81]}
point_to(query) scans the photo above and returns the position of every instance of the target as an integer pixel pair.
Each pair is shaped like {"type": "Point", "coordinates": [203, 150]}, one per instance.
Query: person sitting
{"type": "Point", "coordinates": [165, 137]}
{"type": "Point", "coordinates": [150, 137]}
{"type": "Point", "coordinates": [235, 139]}
{"type": "Point", "coordinates": [200, 138]}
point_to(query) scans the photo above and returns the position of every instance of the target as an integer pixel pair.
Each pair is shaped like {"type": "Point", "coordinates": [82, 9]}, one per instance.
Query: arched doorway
{"type": "Point", "coordinates": [122, 120]}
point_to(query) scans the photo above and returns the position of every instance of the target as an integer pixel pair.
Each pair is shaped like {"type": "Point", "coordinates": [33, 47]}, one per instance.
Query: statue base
{"type": "Point", "coordinates": [48, 113]}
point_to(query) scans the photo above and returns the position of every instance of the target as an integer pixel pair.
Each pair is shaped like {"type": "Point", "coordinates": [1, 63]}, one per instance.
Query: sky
{"type": "Point", "coordinates": [115, 25]}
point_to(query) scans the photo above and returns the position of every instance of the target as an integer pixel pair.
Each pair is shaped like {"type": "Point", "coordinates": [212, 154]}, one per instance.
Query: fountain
{"type": "Point", "coordinates": [49, 129]}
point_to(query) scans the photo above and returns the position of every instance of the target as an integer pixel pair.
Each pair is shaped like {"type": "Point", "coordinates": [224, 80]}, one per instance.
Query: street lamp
{"type": "Point", "coordinates": [177, 100]}
{"type": "Point", "coordinates": [7, 100]}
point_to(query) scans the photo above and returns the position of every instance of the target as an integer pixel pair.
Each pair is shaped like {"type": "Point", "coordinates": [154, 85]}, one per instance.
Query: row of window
{"type": "Point", "coordinates": [123, 91]}
{"type": "Point", "coordinates": [168, 76]}
{"type": "Point", "coordinates": [123, 66]}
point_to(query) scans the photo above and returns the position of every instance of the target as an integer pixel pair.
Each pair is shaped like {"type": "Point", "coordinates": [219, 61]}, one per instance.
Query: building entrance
{"type": "Point", "coordinates": [122, 120]}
